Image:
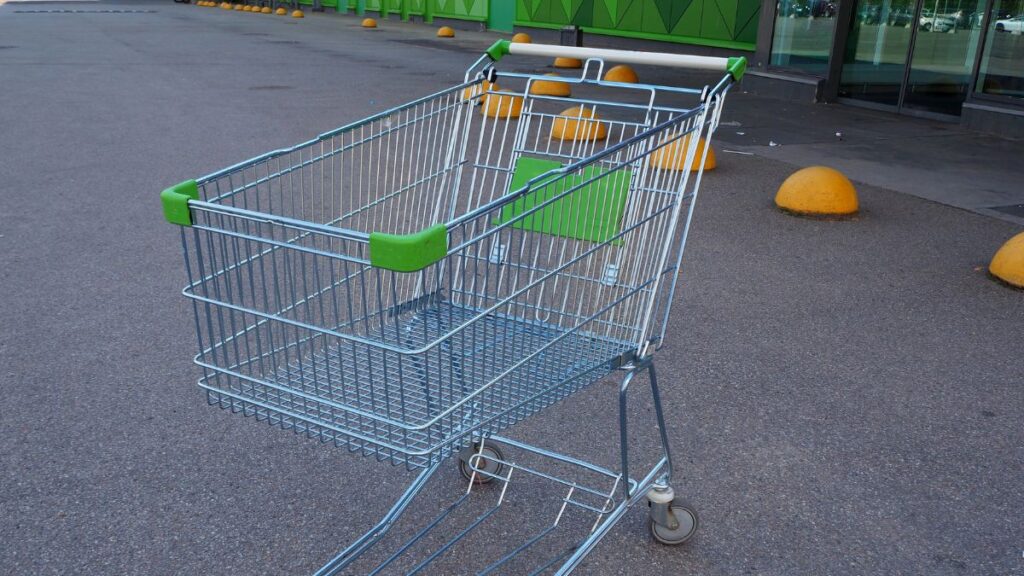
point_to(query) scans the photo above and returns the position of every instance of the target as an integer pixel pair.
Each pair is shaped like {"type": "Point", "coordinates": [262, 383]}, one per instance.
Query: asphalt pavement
{"type": "Point", "coordinates": [845, 397]}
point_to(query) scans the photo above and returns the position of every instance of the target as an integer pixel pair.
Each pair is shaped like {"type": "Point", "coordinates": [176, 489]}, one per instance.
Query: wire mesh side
{"type": "Point", "coordinates": [295, 327]}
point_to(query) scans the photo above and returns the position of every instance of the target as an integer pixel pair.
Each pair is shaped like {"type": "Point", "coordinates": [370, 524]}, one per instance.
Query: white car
{"type": "Point", "coordinates": [1015, 25]}
{"type": "Point", "coordinates": [935, 23]}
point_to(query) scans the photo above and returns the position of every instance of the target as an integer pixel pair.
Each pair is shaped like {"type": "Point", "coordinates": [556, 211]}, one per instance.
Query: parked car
{"type": "Point", "coordinates": [931, 22]}
{"type": "Point", "coordinates": [901, 17]}
{"type": "Point", "coordinates": [1015, 24]}
{"type": "Point", "coordinates": [959, 18]}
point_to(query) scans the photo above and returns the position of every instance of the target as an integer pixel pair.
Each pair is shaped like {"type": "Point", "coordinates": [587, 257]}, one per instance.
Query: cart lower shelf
{"type": "Point", "coordinates": [536, 512]}
{"type": "Point", "coordinates": [415, 409]}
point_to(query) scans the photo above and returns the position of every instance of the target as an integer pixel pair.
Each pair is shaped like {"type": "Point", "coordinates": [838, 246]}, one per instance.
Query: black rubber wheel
{"type": "Point", "coordinates": [489, 463]}
{"type": "Point", "coordinates": [688, 521]}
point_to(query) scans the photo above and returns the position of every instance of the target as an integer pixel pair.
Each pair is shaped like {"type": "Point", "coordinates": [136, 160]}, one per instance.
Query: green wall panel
{"type": "Point", "coordinates": [730, 23]}
{"type": "Point", "coordinates": [462, 9]}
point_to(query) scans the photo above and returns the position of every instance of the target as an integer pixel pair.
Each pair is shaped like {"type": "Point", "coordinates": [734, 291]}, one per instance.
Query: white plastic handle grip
{"type": "Point", "coordinates": [711, 63]}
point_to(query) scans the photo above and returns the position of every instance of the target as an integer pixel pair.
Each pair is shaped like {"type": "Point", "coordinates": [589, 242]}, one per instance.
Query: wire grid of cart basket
{"type": "Point", "coordinates": [418, 281]}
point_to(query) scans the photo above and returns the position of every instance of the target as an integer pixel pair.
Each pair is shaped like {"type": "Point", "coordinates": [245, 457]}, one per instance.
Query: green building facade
{"type": "Point", "coordinates": [723, 23]}
{"type": "Point", "coordinates": [720, 23]}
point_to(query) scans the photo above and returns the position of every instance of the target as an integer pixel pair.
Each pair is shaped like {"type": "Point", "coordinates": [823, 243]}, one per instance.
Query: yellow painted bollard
{"type": "Point", "coordinates": [550, 87]}
{"type": "Point", "coordinates": [298, 14]}
{"type": "Point", "coordinates": [1008, 263]}
{"type": "Point", "coordinates": [238, 7]}
{"type": "Point", "coordinates": [280, 12]}
{"type": "Point", "coordinates": [482, 88]}
{"type": "Point", "coordinates": [561, 62]}
{"type": "Point", "coordinates": [445, 32]}
{"type": "Point", "coordinates": [672, 156]}
{"type": "Point", "coordinates": [578, 123]}
{"type": "Point", "coordinates": [522, 38]}
{"type": "Point", "coordinates": [818, 191]}
{"type": "Point", "coordinates": [266, 10]}
{"type": "Point", "coordinates": [621, 73]}
{"type": "Point", "coordinates": [502, 105]}
{"type": "Point", "coordinates": [369, 23]}
{"type": "Point", "coordinates": [246, 8]}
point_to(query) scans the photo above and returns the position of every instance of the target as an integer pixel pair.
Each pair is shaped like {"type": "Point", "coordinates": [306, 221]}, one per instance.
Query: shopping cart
{"type": "Point", "coordinates": [411, 285]}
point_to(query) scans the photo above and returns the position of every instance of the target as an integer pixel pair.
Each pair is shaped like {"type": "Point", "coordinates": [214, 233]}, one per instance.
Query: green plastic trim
{"type": "Point", "coordinates": [737, 66]}
{"type": "Point", "coordinates": [175, 201]}
{"type": "Point", "coordinates": [498, 50]}
{"type": "Point", "coordinates": [409, 252]}
{"type": "Point", "coordinates": [677, 39]}
{"type": "Point", "coordinates": [593, 212]}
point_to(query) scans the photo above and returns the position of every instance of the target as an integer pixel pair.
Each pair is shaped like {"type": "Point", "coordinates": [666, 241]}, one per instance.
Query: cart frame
{"type": "Point", "coordinates": [402, 379]}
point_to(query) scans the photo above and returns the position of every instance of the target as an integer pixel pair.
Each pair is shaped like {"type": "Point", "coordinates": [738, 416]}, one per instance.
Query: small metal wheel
{"type": "Point", "coordinates": [489, 463]}
{"type": "Point", "coordinates": [686, 518]}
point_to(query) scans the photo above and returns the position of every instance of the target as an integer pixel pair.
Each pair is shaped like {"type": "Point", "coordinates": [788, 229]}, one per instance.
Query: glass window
{"type": "Point", "coordinates": [1002, 63]}
{"type": "Point", "coordinates": [803, 35]}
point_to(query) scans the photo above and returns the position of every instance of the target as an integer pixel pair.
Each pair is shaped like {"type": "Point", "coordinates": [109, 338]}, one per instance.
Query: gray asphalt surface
{"type": "Point", "coordinates": [845, 397]}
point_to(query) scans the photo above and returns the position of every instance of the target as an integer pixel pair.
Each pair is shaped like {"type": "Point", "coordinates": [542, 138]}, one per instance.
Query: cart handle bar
{"type": "Point", "coordinates": [735, 65]}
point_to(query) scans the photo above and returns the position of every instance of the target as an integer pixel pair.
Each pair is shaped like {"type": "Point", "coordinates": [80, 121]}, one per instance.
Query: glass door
{"type": "Point", "coordinates": [945, 49]}
{"type": "Point", "coordinates": [912, 54]}
{"type": "Point", "coordinates": [875, 61]}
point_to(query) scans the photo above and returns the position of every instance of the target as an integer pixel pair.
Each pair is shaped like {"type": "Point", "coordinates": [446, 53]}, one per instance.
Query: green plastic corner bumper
{"type": "Point", "coordinates": [409, 252]}
{"type": "Point", "coordinates": [175, 201]}
{"type": "Point", "coordinates": [498, 50]}
{"type": "Point", "coordinates": [737, 66]}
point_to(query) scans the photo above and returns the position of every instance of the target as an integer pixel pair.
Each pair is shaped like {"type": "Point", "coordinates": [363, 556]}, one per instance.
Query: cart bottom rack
{"type": "Point", "coordinates": [571, 505]}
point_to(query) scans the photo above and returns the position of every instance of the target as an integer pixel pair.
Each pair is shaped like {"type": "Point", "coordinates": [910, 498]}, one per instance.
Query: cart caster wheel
{"type": "Point", "coordinates": [686, 525]}
{"type": "Point", "coordinates": [489, 463]}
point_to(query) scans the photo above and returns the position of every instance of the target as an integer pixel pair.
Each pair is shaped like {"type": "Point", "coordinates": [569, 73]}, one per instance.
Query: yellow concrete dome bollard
{"type": "Point", "coordinates": [672, 156]}
{"type": "Point", "coordinates": [550, 87]}
{"type": "Point", "coordinates": [561, 62]}
{"type": "Point", "coordinates": [265, 10]}
{"type": "Point", "coordinates": [446, 32]}
{"type": "Point", "coordinates": [522, 38]}
{"type": "Point", "coordinates": [239, 8]}
{"type": "Point", "coordinates": [818, 191]}
{"type": "Point", "coordinates": [500, 104]}
{"type": "Point", "coordinates": [621, 73]}
{"type": "Point", "coordinates": [1008, 263]}
{"type": "Point", "coordinates": [578, 123]}
{"type": "Point", "coordinates": [280, 12]}
{"type": "Point", "coordinates": [246, 8]}
{"type": "Point", "coordinates": [298, 14]}
{"type": "Point", "coordinates": [369, 23]}
{"type": "Point", "coordinates": [481, 88]}
{"type": "Point", "coordinates": [226, 6]}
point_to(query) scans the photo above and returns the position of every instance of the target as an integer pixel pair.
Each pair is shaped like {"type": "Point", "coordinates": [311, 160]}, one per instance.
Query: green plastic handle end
{"type": "Point", "coordinates": [736, 67]}
{"type": "Point", "coordinates": [498, 49]}
{"type": "Point", "coordinates": [409, 252]}
{"type": "Point", "coordinates": [175, 202]}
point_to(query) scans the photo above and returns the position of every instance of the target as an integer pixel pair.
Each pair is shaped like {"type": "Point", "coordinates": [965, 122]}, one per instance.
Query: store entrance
{"type": "Point", "coordinates": [912, 56]}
